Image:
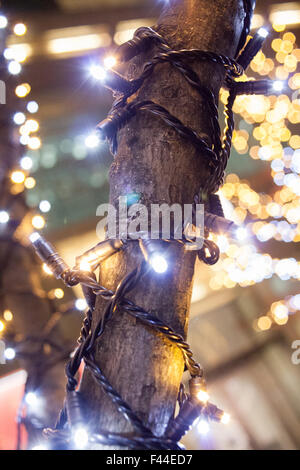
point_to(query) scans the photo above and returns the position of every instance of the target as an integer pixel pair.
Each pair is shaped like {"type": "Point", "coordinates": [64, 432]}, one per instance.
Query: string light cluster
{"type": "Point", "coordinates": [20, 174]}
{"type": "Point", "coordinates": [71, 426]}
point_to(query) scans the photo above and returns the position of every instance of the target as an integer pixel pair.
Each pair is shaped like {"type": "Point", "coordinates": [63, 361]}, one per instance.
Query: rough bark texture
{"type": "Point", "coordinates": [154, 161]}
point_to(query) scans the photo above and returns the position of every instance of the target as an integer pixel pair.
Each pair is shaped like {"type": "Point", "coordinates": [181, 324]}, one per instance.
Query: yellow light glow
{"type": "Point", "coordinates": [31, 125]}
{"type": "Point", "coordinates": [30, 182]}
{"type": "Point", "coordinates": [18, 52]}
{"type": "Point", "coordinates": [20, 29]}
{"type": "Point", "coordinates": [225, 418]}
{"type": "Point", "coordinates": [34, 143]}
{"type": "Point", "coordinates": [203, 396]}
{"type": "Point", "coordinates": [17, 177]}
{"type": "Point", "coordinates": [23, 90]}
{"type": "Point", "coordinates": [84, 266]}
{"type": "Point", "coordinates": [59, 293]}
{"type": "Point", "coordinates": [110, 62]}
{"type": "Point", "coordinates": [46, 269]}
{"type": "Point", "coordinates": [2, 326]}
{"type": "Point", "coordinates": [264, 323]}
{"type": "Point", "coordinates": [38, 222]}
{"type": "Point", "coordinates": [7, 315]}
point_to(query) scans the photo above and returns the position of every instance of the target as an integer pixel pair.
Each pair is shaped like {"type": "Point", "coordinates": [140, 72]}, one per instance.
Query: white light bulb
{"type": "Point", "coordinates": [98, 72]}
{"type": "Point", "coordinates": [31, 398]}
{"type": "Point", "coordinates": [263, 32]}
{"type": "Point", "coordinates": [14, 67]}
{"type": "Point", "coordinates": [4, 217]}
{"type": "Point", "coordinates": [278, 85]}
{"type": "Point", "coordinates": [26, 163]}
{"type": "Point", "coordinates": [34, 237]}
{"type": "Point", "coordinates": [19, 118]}
{"type": "Point", "coordinates": [45, 206]}
{"type": "Point", "coordinates": [203, 396]}
{"type": "Point", "coordinates": [80, 304]}
{"type": "Point", "coordinates": [3, 21]}
{"type": "Point", "coordinates": [158, 263]}
{"type": "Point", "coordinates": [92, 141]}
{"type": "Point", "coordinates": [81, 438]}
{"type": "Point", "coordinates": [9, 354]}
{"type": "Point", "coordinates": [32, 107]}
{"type": "Point", "coordinates": [225, 418]}
{"type": "Point", "coordinates": [203, 427]}
{"type": "Point", "coordinates": [241, 233]}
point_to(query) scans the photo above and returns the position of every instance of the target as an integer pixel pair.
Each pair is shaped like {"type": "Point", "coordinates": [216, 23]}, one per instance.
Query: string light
{"type": "Point", "coordinates": [26, 163]}
{"type": "Point", "coordinates": [23, 90]}
{"type": "Point", "coordinates": [19, 118]}
{"type": "Point", "coordinates": [31, 399]}
{"type": "Point", "coordinates": [154, 256]}
{"type": "Point", "coordinates": [17, 177]}
{"type": "Point", "coordinates": [203, 427]}
{"type": "Point", "coordinates": [92, 141]}
{"type": "Point", "coordinates": [38, 222]}
{"type": "Point", "coordinates": [9, 354]}
{"type": "Point", "coordinates": [110, 62]}
{"type": "Point", "coordinates": [3, 22]}
{"type": "Point", "coordinates": [81, 304]}
{"type": "Point", "coordinates": [14, 67]}
{"type": "Point", "coordinates": [98, 72]}
{"type": "Point", "coordinates": [45, 206]}
{"type": "Point", "coordinates": [7, 315]}
{"type": "Point", "coordinates": [4, 217]}
{"type": "Point", "coordinates": [32, 107]}
{"type": "Point", "coordinates": [29, 182]}
{"type": "Point", "coordinates": [20, 29]}
{"type": "Point", "coordinates": [2, 326]}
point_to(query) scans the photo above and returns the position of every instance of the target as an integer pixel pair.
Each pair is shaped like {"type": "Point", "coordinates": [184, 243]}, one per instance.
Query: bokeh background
{"type": "Point", "coordinates": [245, 310]}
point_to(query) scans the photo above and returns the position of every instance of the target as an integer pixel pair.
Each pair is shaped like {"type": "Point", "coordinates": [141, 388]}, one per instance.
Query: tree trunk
{"type": "Point", "coordinates": [159, 165]}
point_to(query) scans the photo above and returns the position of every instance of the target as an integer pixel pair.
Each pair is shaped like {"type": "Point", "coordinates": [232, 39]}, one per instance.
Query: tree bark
{"type": "Point", "coordinates": [159, 165]}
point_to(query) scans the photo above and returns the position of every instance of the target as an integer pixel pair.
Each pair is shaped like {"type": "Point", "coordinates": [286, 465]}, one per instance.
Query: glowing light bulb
{"type": "Point", "coordinates": [45, 206]}
{"type": "Point", "coordinates": [81, 438]}
{"type": "Point", "coordinates": [17, 177]}
{"type": "Point", "coordinates": [98, 72]}
{"type": "Point", "coordinates": [26, 163]}
{"type": "Point", "coordinates": [92, 141]}
{"type": "Point", "coordinates": [32, 107]}
{"type": "Point", "coordinates": [84, 266]}
{"type": "Point", "coordinates": [19, 118]}
{"type": "Point", "coordinates": [263, 32]}
{"type": "Point", "coordinates": [20, 29]}
{"type": "Point", "coordinates": [203, 396]}
{"type": "Point", "coordinates": [241, 233]}
{"type": "Point", "coordinates": [3, 22]}
{"type": "Point", "coordinates": [2, 326]}
{"type": "Point", "coordinates": [203, 427]}
{"type": "Point", "coordinates": [80, 304]}
{"type": "Point", "coordinates": [4, 217]}
{"type": "Point", "coordinates": [29, 182]}
{"type": "Point", "coordinates": [278, 85]}
{"type": "Point", "coordinates": [23, 90]}
{"type": "Point", "coordinates": [38, 222]}
{"type": "Point", "coordinates": [34, 237]}
{"type": "Point", "coordinates": [46, 269]}
{"type": "Point", "coordinates": [34, 143]}
{"type": "Point", "coordinates": [9, 354]}
{"type": "Point", "coordinates": [7, 315]}
{"type": "Point", "coordinates": [14, 67]}
{"type": "Point", "coordinates": [31, 398]}
{"type": "Point", "coordinates": [59, 293]}
{"type": "Point", "coordinates": [110, 62]}
{"type": "Point", "coordinates": [225, 418]}
{"type": "Point", "coordinates": [158, 263]}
